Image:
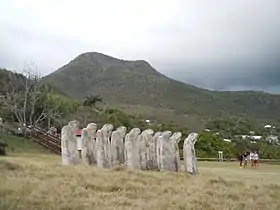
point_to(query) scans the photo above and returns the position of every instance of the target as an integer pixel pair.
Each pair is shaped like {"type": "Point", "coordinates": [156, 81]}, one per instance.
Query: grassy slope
{"type": "Point", "coordinates": [136, 83]}
{"type": "Point", "coordinates": [18, 145]}
{"type": "Point", "coordinates": [40, 182]}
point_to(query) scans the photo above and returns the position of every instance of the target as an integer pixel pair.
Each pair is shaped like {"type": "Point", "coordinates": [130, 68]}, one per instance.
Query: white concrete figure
{"type": "Point", "coordinates": [164, 151]}
{"type": "Point", "coordinates": [190, 161]}
{"type": "Point", "coordinates": [84, 147]}
{"type": "Point", "coordinates": [100, 150]}
{"type": "Point", "coordinates": [135, 150]}
{"type": "Point", "coordinates": [143, 148]}
{"type": "Point", "coordinates": [131, 149]}
{"type": "Point", "coordinates": [69, 152]}
{"type": "Point", "coordinates": [153, 161]}
{"type": "Point", "coordinates": [104, 146]}
{"type": "Point", "coordinates": [91, 149]}
{"type": "Point", "coordinates": [107, 129]}
{"type": "Point", "coordinates": [117, 146]}
{"type": "Point", "coordinates": [175, 156]}
{"type": "Point", "coordinates": [122, 132]}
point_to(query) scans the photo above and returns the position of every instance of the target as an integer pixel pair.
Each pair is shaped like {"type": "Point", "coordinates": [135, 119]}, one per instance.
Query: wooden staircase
{"type": "Point", "coordinates": [45, 139]}
{"type": "Point", "coordinates": [38, 135]}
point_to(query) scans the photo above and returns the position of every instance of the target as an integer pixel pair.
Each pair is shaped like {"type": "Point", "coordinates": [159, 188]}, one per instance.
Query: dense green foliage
{"type": "Point", "coordinates": [210, 142]}
{"type": "Point", "coordinates": [230, 128]}
{"type": "Point", "coordinates": [138, 83]}
{"type": "Point", "coordinates": [61, 109]}
{"type": "Point", "coordinates": [92, 100]}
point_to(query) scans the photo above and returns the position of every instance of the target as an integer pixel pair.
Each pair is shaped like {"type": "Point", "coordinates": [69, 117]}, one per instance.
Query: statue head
{"type": "Point", "coordinates": [134, 133]}
{"type": "Point", "coordinates": [108, 128]}
{"type": "Point", "coordinates": [166, 134]}
{"type": "Point", "coordinates": [192, 138]}
{"type": "Point", "coordinates": [176, 137]}
{"type": "Point", "coordinates": [148, 131]}
{"type": "Point", "coordinates": [122, 131]}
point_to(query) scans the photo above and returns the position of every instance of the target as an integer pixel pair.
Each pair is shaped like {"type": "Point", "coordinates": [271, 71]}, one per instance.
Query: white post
{"type": "Point", "coordinates": [220, 155]}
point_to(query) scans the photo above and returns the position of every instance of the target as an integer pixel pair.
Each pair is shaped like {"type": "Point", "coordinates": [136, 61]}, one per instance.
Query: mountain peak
{"type": "Point", "coordinates": [138, 83]}
{"type": "Point", "coordinates": [97, 62]}
{"type": "Point", "coordinates": [101, 56]}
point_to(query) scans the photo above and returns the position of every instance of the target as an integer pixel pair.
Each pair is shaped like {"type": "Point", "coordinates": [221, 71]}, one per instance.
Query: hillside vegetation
{"type": "Point", "coordinates": [136, 83]}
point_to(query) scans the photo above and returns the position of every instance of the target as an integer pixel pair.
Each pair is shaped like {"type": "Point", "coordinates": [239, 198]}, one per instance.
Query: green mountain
{"type": "Point", "coordinates": [137, 83]}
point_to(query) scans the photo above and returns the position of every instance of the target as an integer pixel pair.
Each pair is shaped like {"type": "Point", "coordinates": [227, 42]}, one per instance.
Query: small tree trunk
{"type": "Point", "coordinates": [49, 122]}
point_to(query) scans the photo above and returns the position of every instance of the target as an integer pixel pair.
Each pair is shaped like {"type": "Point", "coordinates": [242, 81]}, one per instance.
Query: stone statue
{"type": "Point", "coordinates": [69, 152]}
{"type": "Point", "coordinates": [103, 146]}
{"type": "Point", "coordinates": [164, 151]}
{"type": "Point", "coordinates": [122, 132]}
{"type": "Point", "coordinates": [131, 149]}
{"type": "Point", "coordinates": [174, 141]}
{"type": "Point", "coordinates": [156, 149]}
{"type": "Point", "coordinates": [143, 148]}
{"type": "Point", "coordinates": [91, 143]}
{"type": "Point", "coordinates": [85, 152]}
{"type": "Point", "coordinates": [137, 151]}
{"type": "Point", "coordinates": [74, 125]}
{"type": "Point", "coordinates": [190, 161]}
{"type": "Point", "coordinates": [117, 146]}
{"type": "Point", "coordinates": [65, 145]}
{"type": "Point", "coordinates": [107, 131]}
{"type": "Point", "coordinates": [100, 149]}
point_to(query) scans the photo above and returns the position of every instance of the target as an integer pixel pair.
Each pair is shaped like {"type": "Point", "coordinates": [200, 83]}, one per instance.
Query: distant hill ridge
{"type": "Point", "coordinates": [138, 83]}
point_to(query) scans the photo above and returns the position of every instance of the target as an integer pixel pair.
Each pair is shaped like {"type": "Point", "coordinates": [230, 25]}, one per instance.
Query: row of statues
{"type": "Point", "coordinates": [135, 150]}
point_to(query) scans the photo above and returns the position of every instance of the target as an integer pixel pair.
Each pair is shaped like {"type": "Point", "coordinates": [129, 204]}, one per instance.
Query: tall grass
{"type": "Point", "coordinates": [40, 182]}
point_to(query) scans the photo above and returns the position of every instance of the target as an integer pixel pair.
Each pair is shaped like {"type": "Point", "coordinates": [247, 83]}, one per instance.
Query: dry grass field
{"type": "Point", "coordinates": [38, 181]}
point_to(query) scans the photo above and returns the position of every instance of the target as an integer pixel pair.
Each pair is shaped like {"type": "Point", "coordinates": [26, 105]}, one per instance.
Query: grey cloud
{"type": "Point", "coordinates": [225, 45]}
{"type": "Point", "coordinates": [49, 52]}
{"type": "Point", "coordinates": [232, 77]}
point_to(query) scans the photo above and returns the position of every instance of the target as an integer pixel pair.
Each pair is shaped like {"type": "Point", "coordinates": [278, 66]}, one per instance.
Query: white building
{"type": "Point", "coordinates": [227, 140]}
{"type": "Point", "coordinates": [251, 137]}
{"type": "Point", "coordinates": [273, 139]}
{"type": "Point", "coordinates": [256, 137]}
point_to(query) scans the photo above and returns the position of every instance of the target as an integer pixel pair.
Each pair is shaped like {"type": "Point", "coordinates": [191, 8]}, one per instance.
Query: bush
{"type": "Point", "coordinates": [3, 148]}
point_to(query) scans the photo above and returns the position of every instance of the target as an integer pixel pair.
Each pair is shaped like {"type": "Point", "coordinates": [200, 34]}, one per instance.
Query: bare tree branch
{"type": "Point", "coordinates": [24, 96]}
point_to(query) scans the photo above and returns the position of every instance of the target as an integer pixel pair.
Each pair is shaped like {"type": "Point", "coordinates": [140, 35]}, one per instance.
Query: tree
{"type": "Point", "coordinates": [24, 96]}
{"type": "Point", "coordinates": [92, 100]}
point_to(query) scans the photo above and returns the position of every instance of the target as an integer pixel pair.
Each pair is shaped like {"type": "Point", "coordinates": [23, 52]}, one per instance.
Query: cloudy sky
{"type": "Point", "coordinates": [226, 45]}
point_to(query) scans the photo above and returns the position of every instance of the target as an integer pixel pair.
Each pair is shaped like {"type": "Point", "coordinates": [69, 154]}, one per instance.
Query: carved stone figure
{"type": "Point", "coordinates": [103, 146]}
{"type": "Point", "coordinates": [174, 141]}
{"type": "Point", "coordinates": [135, 150]}
{"type": "Point", "coordinates": [190, 161]}
{"type": "Point", "coordinates": [100, 149]}
{"type": "Point", "coordinates": [74, 125]}
{"type": "Point", "coordinates": [131, 149]}
{"type": "Point", "coordinates": [85, 152]}
{"type": "Point", "coordinates": [143, 148]}
{"type": "Point", "coordinates": [69, 152]}
{"type": "Point", "coordinates": [122, 132]}
{"type": "Point", "coordinates": [91, 143]}
{"type": "Point", "coordinates": [117, 146]}
{"type": "Point", "coordinates": [164, 151]}
{"type": "Point", "coordinates": [107, 131]}
{"type": "Point", "coordinates": [157, 149]}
